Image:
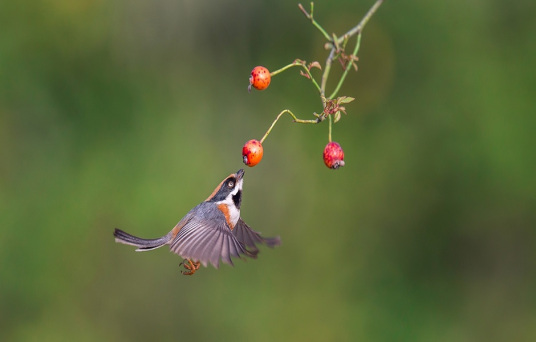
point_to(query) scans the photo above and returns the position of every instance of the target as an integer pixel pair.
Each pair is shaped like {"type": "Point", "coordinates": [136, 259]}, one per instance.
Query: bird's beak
{"type": "Point", "coordinates": [240, 174]}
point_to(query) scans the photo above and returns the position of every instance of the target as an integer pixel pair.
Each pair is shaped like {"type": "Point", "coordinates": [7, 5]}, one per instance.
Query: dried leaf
{"type": "Point", "coordinates": [341, 60]}
{"type": "Point", "coordinates": [304, 74]}
{"type": "Point", "coordinates": [315, 64]}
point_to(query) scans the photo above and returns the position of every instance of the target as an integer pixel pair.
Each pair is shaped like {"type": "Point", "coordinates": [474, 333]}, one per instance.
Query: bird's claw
{"type": "Point", "coordinates": [190, 266]}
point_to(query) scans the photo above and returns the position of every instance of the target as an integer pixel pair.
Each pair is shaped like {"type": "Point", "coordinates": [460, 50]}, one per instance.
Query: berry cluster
{"type": "Point", "coordinates": [332, 105]}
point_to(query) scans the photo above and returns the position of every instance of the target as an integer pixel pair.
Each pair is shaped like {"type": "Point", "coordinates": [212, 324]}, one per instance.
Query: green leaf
{"type": "Point", "coordinates": [344, 99]}
{"type": "Point", "coordinates": [337, 117]}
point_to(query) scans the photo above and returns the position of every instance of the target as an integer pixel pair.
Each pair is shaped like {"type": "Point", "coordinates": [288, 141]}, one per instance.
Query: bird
{"type": "Point", "coordinates": [212, 231]}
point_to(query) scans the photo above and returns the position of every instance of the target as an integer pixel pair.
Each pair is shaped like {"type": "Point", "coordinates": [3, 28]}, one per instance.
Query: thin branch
{"type": "Point", "coordinates": [310, 17]}
{"type": "Point", "coordinates": [347, 68]}
{"type": "Point", "coordinates": [327, 69]}
{"type": "Point", "coordinates": [359, 27]}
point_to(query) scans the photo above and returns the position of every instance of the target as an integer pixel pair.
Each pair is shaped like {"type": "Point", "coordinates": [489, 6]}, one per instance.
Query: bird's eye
{"type": "Point", "coordinates": [230, 184]}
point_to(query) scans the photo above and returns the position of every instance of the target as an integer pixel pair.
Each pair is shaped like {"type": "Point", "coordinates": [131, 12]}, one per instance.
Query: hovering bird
{"type": "Point", "coordinates": [210, 232]}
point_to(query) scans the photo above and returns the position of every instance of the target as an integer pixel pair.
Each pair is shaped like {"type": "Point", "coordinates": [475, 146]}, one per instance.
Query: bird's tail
{"type": "Point", "coordinates": [142, 244]}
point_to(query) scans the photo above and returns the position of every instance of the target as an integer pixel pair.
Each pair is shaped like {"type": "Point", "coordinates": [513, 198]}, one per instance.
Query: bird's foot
{"type": "Point", "coordinates": [190, 266]}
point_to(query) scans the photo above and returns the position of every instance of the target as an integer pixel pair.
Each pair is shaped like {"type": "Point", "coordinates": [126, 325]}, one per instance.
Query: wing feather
{"type": "Point", "coordinates": [226, 252]}
{"type": "Point", "coordinates": [251, 238]}
{"type": "Point", "coordinates": [200, 240]}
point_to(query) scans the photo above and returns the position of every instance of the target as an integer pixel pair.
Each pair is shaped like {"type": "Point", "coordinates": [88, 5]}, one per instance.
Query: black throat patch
{"type": "Point", "coordinates": [237, 199]}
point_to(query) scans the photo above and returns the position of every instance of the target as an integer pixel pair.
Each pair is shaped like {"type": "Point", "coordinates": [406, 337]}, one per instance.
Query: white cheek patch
{"type": "Point", "coordinates": [237, 188]}
{"type": "Point", "coordinates": [232, 210]}
{"type": "Point", "coordinates": [234, 215]}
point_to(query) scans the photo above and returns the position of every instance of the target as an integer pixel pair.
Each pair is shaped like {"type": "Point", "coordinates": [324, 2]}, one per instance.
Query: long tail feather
{"type": "Point", "coordinates": [142, 244]}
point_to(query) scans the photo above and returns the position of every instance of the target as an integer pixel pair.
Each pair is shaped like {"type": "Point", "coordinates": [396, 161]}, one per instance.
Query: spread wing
{"type": "Point", "coordinates": [251, 238]}
{"type": "Point", "coordinates": [200, 239]}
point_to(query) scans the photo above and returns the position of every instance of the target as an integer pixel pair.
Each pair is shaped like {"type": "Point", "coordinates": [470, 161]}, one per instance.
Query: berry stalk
{"type": "Point", "coordinates": [301, 63]}
{"type": "Point", "coordinates": [295, 120]}
{"type": "Point", "coordinates": [329, 128]}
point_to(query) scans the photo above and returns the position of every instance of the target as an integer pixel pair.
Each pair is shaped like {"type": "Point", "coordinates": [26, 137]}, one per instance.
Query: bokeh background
{"type": "Point", "coordinates": [128, 113]}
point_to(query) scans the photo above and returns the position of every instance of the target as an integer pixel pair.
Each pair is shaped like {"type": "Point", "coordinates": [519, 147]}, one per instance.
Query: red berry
{"type": "Point", "coordinates": [333, 155]}
{"type": "Point", "coordinates": [252, 152]}
{"type": "Point", "coordinates": [260, 78]}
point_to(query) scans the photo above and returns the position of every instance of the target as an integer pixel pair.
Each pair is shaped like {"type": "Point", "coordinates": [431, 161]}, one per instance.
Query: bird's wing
{"type": "Point", "coordinates": [251, 238]}
{"type": "Point", "coordinates": [201, 239]}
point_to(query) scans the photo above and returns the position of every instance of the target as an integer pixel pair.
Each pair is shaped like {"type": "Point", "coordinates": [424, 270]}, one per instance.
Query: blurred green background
{"type": "Point", "coordinates": [128, 113]}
